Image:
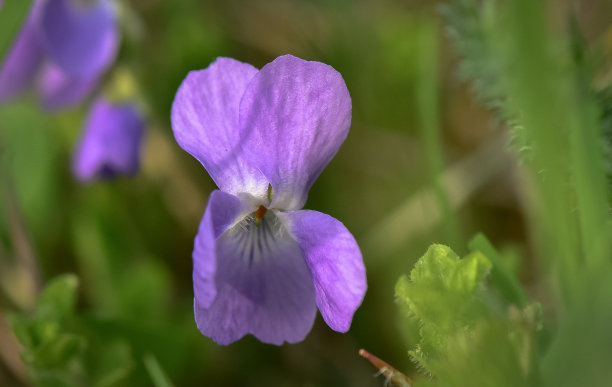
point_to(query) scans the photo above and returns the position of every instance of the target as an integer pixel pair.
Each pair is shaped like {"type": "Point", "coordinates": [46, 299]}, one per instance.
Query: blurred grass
{"type": "Point", "coordinates": [428, 122]}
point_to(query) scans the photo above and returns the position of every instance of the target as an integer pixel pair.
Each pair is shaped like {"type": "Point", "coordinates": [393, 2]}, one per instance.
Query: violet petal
{"type": "Point", "coordinates": [335, 263]}
{"type": "Point", "coordinates": [221, 211]}
{"type": "Point", "coordinates": [82, 39]}
{"type": "Point", "coordinates": [205, 124]}
{"type": "Point", "coordinates": [294, 116]}
{"type": "Point", "coordinates": [110, 144]}
{"type": "Point", "coordinates": [58, 90]}
{"type": "Point", "coordinates": [22, 62]}
{"type": "Point", "coordinates": [263, 287]}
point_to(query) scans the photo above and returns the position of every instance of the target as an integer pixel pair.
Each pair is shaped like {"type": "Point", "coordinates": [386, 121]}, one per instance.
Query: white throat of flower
{"type": "Point", "coordinates": [260, 233]}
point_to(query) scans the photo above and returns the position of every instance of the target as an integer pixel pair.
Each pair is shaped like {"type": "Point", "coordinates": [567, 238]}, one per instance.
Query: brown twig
{"type": "Point", "coordinates": [392, 374]}
{"type": "Point", "coordinates": [9, 353]}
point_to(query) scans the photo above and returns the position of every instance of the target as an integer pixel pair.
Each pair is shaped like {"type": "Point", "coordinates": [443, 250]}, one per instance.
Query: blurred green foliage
{"type": "Point", "coordinates": [542, 81]}
{"type": "Point", "coordinates": [467, 335]}
{"type": "Point", "coordinates": [59, 351]}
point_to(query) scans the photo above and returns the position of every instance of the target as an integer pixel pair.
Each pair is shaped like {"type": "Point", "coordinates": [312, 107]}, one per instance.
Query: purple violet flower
{"type": "Point", "coordinates": [261, 264]}
{"type": "Point", "coordinates": [110, 143]}
{"type": "Point", "coordinates": [63, 49]}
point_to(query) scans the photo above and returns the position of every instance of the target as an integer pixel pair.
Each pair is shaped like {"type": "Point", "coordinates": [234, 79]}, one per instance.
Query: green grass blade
{"type": "Point", "coordinates": [427, 100]}
{"type": "Point", "coordinates": [506, 282]}
{"type": "Point", "coordinates": [157, 374]}
{"type": "Point", "coordinates": [12, 14]}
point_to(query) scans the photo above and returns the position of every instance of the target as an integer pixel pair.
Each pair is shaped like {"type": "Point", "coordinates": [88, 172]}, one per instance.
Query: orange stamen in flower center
{"type": "Point", "coordinates": [260, 212]}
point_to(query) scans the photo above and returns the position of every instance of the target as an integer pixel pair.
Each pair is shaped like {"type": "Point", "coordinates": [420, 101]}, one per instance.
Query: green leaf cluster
{"type": "Point", "coordinates": [550, 81]}
{"type": "Point", "coordinates": [468, 333]}
{"type": "Point", "coordinates": [441, 294]}
{"type": "Point", "coordinates": [59, 349]}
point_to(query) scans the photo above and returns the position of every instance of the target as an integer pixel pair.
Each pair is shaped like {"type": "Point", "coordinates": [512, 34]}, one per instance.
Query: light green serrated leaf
{"type": "Point", "coordinates": [59, 297]}
{"type": "Point", "coordinates": [442, 294]}
{"type": "Point", "coordinates": [461, 330]}
{"type": "Point", "coordinates": [442, 283]}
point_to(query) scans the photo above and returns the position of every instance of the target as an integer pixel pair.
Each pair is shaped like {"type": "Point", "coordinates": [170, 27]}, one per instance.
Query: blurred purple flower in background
{"type": "Point", "coordinates": [110, 142]}
{"type": "Point", "coordinates": [63, 49]}
{"type": "Point", "coordinates": [261, 264]}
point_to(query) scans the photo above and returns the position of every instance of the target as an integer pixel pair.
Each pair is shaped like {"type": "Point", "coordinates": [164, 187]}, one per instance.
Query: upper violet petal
{"type": "Point", "coordinates": [335, 262]}
{"type": "Point", "coordinates": [58, 90]}
{"type": "Point", "coordinates": [22, 62]}
{"type": "Point", "coordinates": [111, 141]}
{"type": "Point", "coordinates": [82, 39]}
{"type": "Point", "coordinates": [205, 124]}
{"type": "Point", "coordinates": [221, 211]}
{"type": "Point", "coordinates": [294, 116]}
{"type": "Point", "coordinates": [263, 287]}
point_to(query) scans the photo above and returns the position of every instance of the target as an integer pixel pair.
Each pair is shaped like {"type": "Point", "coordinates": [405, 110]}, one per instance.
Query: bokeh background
{"type": "Point", "coordinates": [129, 241]}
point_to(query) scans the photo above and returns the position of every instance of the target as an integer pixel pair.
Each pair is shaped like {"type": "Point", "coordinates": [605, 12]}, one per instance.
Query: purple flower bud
{"type": "Point", "coordinates": [110, 142]}
{"type": "Point", "coordinates": [261, 265]}
{"type": "Point", "coordinates": [63, 49]}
